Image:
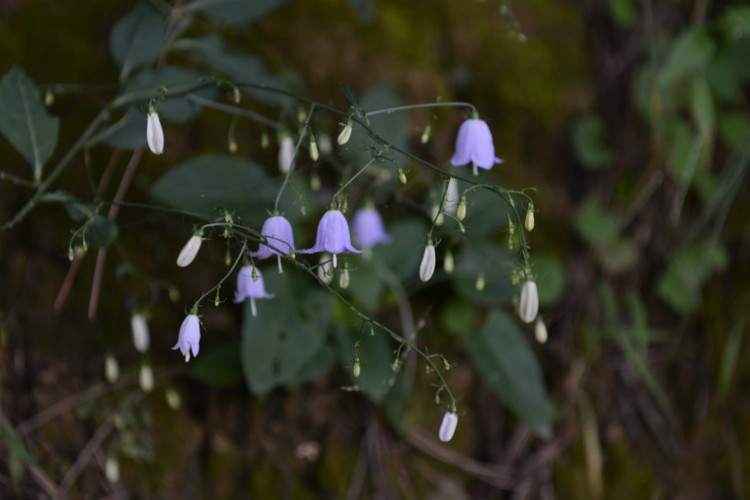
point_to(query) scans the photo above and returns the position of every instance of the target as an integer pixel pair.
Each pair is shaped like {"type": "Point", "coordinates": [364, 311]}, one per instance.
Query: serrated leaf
{"type": "Point", "coordinates": [691, 51]}
{"type": "Point", "coordinates": [24, 121]}
{"type": "Point", "coordinates": [287, 334]}
{"type": "Point", "coordinates": [137, 39]}
{"type": "Point", "coordinates": [234, 11]}
{"type": "Point", "coordinates": [508, 365]}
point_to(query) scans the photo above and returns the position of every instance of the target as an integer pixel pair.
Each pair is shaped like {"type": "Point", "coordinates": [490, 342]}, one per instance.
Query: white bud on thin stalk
{"type": "Point", "coordinates": [112, 469]}
{"type": "Point", "coordinates": [528, 305]}
{"type": "Point", "coordinates": [173, 399]}
{"type": "Point", "coordinates": [146, 378]}
{"type": "Point", "coordinates": [344, 278]}
{"type": "Point", "coordinates": [540, 330]}
{"type": "Point", "coordinates": [448, 426]}
{"type": "Point", "coordinates": [325, 268]}
{"type": "Point", "coordinates": [427, 267]}
{"type": "Point", "coordinates": [451, 197]}
{"type": "Point", "coordinates": [111, 369]}
{"type": "Point", "coordinates": [345, 134]}
{"type": "Point", "coordinates": [448, 264]}
{"type": "Point", "coordinates": [314, 153]}
{"type": "Point", "coordinates": [461, 212]}
{"type": "Point", "coordinates": [141, 336]}
{"type": "Point", "coordinates": [189, 251]}
{"type": "Point", "coordinates": [529, 220]}
{"type": "Point", "coordinates": [154, 133]}
{"type": "Point", "coordinates": [286, 154]}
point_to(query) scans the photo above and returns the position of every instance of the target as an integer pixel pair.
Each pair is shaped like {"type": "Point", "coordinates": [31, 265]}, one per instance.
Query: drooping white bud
{"type": "Point", "coordinates": [461, 212]}
{"type": "Point", "coordinates": [427, 267]}
{"type": "Point", "coordinates": [356, 370]}
{"type": "Point", "coordinates": [286, 154]}
{"type": "Point", "coordinates": [448, 427]}
{"type": "Point", "coordinates": [325, 268]}
{"type": "Point", "coordinates": [314, 154]}
{"type": "Point", "coordinates": [173, 399]}
{"type": "Point", "coordinates": [480, 282]}
{"type": "Point", "coordinates": [451, 197]}
{"type": "Point", "coordinates": [344, 278]}
{"type": "Point", "coordinates": [189, 251]}
{"type": "Point", "coordinates": [141, 337]}
{"type": "Point", "coordinates": [154, 133]}
{"type": "Point", "coordinates": [540, 330]}
{"type": "Point", "coordinates": [528, 305]}
{"type": "Point", "coordinates": [345, 134]}
{"type": "Point", "coordinates": [448, 264]}
{"type": "Point", "coordinates": [529, 221]}
{"type": "Point", "coordinates": [112, 469]}
{"type": "Point", "coordinates": [146, 378]}
{"type": "Point", "coordinates": [111, 369]}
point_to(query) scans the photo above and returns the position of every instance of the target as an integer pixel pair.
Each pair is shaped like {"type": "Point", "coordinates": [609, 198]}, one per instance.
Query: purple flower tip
{"type": "Point", "coordinates": [333, 235]}
{"type": "Point", "coordinates": [278, 231]}
{"type": "Point", "coordinates": [368, 228]}
{"type": "Point", "coordinates": [190, 336]}
{"type": "Point", "coordinates": [474, 145]}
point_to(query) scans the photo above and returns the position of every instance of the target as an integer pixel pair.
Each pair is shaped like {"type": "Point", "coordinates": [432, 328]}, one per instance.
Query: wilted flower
{"type": "Point", "coordinates": [278, 232]}
{"type": "Point", "coordinates": [450, 204]}
{"type": "Point", "coordinates": [427, 267]}
{"type": "Point", "coordinates": [474, 145]}
{"type": "Point", "coordinates": [448, 426]}
{"type": "Point", "coordinates": [286, 154]}
{"type": "Point", "coordinates": [528, 305]}
{"type": "Point", "coordinates": [368, 228]}
{"type": "Point", "coordinates": [346, 133]}
{"type": "Point", "coordinates": [190, 336]}
{"type": "Point", "coordinates": [154, 133]}
{"type": "Point", "coordinates": [333, 235]}
{"type": "Point", "coordinates": [141, 337]}
{"type": "Point", "coordinates": [189, 251]}
{"type": "Point", "coordinates": [250, 285]}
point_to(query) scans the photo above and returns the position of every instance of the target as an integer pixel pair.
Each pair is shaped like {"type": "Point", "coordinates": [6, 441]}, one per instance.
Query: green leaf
{"type": "Point", "coordinates": [289, 331]}
{"type": "Point", "coordinates": [234, 11]}
{"type": "Point", "coordinates": [618, 256]}
{"type": "Point", "coordinates": [702, 108]}
{"type": "Point", "coordinates": [596, 225]}
{"type": "Point", "coordinates": [486, 214]}
{"type": "Point", "coordinates": [684, 151]}
{"type": "Point", "coordinates": [24, 120]}
{"type": "Point", "coordinates": [506, 362]}
{"type": "Point", "coordinates": [351, 95]}
{"type": "Point", "coordinates": [204, 184]}
{"type": "Point", "coordinates": [688, 269]}
{"type": "Point", "coordinates": [551, 279]}
{"type": "Point", "coordinates": [623, 13]}
{"type": "Point", "coordinates": [729, 359]}
{"type": "Point", "coordinates": [137, 39]}
{"type": "Point", "coordinates": [17, 452]}
{"type": "Point", "coordinates": [589, 142]}
{"type": "Point", "coordinates": [734, 128]}
{"type": "Point", "coordinates": [458, 317]}
{"type": "Point", "coordinates": [689, 53]}
{"type": "Point", "coordinates": [129, 132]}
{"type": "Point", "coordinates": [735, 21]}
{"type": "Point", "coordinates": [219, 366]}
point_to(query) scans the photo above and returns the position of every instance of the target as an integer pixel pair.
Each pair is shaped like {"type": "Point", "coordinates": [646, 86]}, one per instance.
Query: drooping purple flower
{"type": "Point", "coordinates": [278, 232]}
{"type": "Point", "coordinates": [333, 236]}
{"type": "Point", "coordinates": [474, 145]}
{"type": "Point", "coordinates": [189, 337]}
{"type": "Point", "coordinates": [368, 228]}
{"type": "Point", "coordinates": [250, 285]}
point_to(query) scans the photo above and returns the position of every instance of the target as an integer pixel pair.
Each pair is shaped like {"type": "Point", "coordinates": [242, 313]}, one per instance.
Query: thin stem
{"type": "Point", "coordinates": [333, 198]}
{"type": "Point", "coordinates": [420, 106]}
{"type": "Point", "coordinates": [294, 158]}
{"type": "Point", "coordinates": [234, 110]}
{"type": "Point", "coordinates": [222, 280]}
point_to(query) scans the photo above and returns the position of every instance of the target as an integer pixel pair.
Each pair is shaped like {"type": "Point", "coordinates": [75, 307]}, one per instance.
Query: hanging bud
{"type": "Point", "coordinates": [189, 251]}
{"type": "Point", "coordinates": [346, 133]}
{"type": "Point", "coordinates": [461, 212]}
{"type": "Point", "coordinates": [141, 336]}
{"type": "Point", "coordinates": [315, 181]}
{"type": "Point", "coordinates": [314, 154]}
{"type": "Point", "coordinates": [426, 134]}
{"type": "Point", "coordinates": [286, 154]}
{"type": "Point", "coordinates": [480, 282]}
{"type": "Point", "coordinates": [356, 370]}
{"type": "Point", "coordinates": [427, 267]}
{"type": "Point", "coordinates": [301, 114]}
{"type": "Point", "coordinates": [173, 398]}
{"type": "Point", "coordinates": [344, 278]}
{"type": "Point", "coordinates": [112, 469]}
{"type": "Point", "coordinates": [540, 330]}
{"type": "Point", "coordinates": [111, 369]}
{"type": "Point", "coordinates": [448, 427]}
{"type": "Point", "coordinates": [529, 221]}
{"type": "Point", "coordinates": [49, 97]}
{"type": "Point", "coordinates": [146, 378]}
{"type": "Point", "coordinates": [232, 146]}
{"type": "Point", "coordinates": [528, 305]}
{"type": "Point", "coordinates": [325, 268]}
{"type": "Point", "coordinates": [437, 215]}
{"type": "Point", "coordinates": [265, 141]}
{"type": "Point", "coordinates": [154, 133]}
{"type": "Point", "coordinates": [324, 142]}
{"type": "Point", "coordinates": [448, 264]}
{"type": "Point", "coordinates": [450, 202]}
{"type": "Point", "coordinates": [401, 175]}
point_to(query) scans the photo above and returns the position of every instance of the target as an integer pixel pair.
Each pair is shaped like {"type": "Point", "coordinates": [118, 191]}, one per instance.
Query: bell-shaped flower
{"type": "Point", "coordinates": [427, 266]}
{"type": "Point", "coordinates": [154, 133]}
{"type": "Point", "coordinates": [190, 336]}
{"type": "Point", "coordinates": [333, 236]}
{"type": "Point", "coordinates": [141, 337]}
{"type": "Point", "coordinates": [189, 251]}
{"type": "Point", "coordinates": [278, 232]}
{"type": "Point", "coordinates": [368, 228]}
{"type": "Point", "coordinates": [474, 145]}
{"type": "Point", "coordinates": [286, 154]}
{"type": "Point", "coordinates": [528, 305]}
{"type": "Point", "coordinates": [448, 426]}
{"type": "Point", "coordinates": [250, 285]}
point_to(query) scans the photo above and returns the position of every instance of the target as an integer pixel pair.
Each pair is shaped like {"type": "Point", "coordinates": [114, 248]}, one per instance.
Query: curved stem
{"type": "Point", "coordinates": [420, 106]}
{"type": "Point", "coordinates": [294, 157]}
{"type": "Point", "coordinates": [222, 280]}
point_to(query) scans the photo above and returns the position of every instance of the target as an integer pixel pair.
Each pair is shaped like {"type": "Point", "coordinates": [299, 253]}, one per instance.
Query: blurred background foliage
{"type": "Point", "coordinates": [629, 118]}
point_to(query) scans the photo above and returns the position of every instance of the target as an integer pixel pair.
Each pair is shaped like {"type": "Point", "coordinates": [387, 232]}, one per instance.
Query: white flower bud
{"type": "Point", "coordinates": [529, 221]}
{"type": "Point", "coordinates": [324, 142]}
{"type": "Point", "coordinates": [141, 337]}
{"type": "Point", "coordinates": [314, 154]}
{"type": "Point", "coordinates": [451, 197]}
{"type": "Point", "coordinates": [344, 278]}
{"type": "Point", "coordinates": [540, 330]}
{"type": "Point", "coordinates": [427, 267]}
{"type": "Point", "coordinates": [437, 215]}
{"type": "Point", "coordinates": [461, 212]}
{"type": "Point", "coordinates": [480, 282]}
{"type": "Point", "coordinates": [325, 268]}
{"type": "Point", "coordinates": [448, 427]}
{"type": "Point", "coordinates": [401, 176]}
{"type": "Point", "coordinates": [448, 264]}
{"type": "Point", "coordinates": [173, 399]}
{"type": "Point", "coordinates": [345, 134]}
{"type": "Point", "coordinates": [528, 306]}
{"type": "Point", "coordinates": [154, 133]}
{"type": "Point", "coordinates": [111, 369]}
{"type": "Point", "coordinates": [112, 469]}
{"type": "Point", "coordinates": [356, 370]}
{"type": "Point", "coordinates": [286, 154]}
{"type": "Point", "coordinates": [146, 378]}
{"type": "Point", "coordinates": [426, 134]}
{"type": "Point", "coordinates": [189, 251]}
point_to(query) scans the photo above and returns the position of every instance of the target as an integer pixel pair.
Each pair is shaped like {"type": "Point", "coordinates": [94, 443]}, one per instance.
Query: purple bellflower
{"type": "Point", "coordinates": [368, 228]}
{"type": "Point", "coordinates": [250, 284]}
{"type": "Point", "coordinates": [474, 145]}
{"type": "Point", "coordinates": [333, 236]}
{"type": "Point", "coordinates": [278, 232]}
{"type": "Point", "coordinates": [189, 337]}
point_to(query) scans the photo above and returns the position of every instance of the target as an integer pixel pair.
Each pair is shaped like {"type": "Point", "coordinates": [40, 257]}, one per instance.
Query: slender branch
{"type": "Point", "coordinates": [420, 106]}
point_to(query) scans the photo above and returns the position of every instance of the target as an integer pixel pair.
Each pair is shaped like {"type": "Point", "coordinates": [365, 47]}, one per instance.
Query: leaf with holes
{"type": "Point", "coordinates": [24, 120]}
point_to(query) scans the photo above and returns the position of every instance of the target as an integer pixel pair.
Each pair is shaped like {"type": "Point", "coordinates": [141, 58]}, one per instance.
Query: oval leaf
{"type": "Point", "coordinates": [137, 39]}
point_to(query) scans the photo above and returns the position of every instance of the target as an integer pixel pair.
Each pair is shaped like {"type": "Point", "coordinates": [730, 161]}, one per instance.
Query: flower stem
{"type": "Point", "coordinates": [294, 158]}
{"type": "Point", "coordinates": [222, 280]}
{"type": "Point", "coordinates": [333, 198]}
{"type": "Point", "coordinates": [420, 106]}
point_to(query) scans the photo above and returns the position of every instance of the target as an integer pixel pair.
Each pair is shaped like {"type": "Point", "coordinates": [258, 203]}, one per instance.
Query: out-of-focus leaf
{"type": "Point", "coordinates": [503, 358]}
{"type": "Point", "coordinates": [618, 256]}
{"type": "Point", "coordinates": [219, 366]}
{"type": "Point", "coordinates": [363, 9]}
{"type": "Point", "coordinates": [486, 215]}
{"type": "Point", "coordinates": [18, 453]}
{"type": "Point", "coordinates": [351, 95]}
{"type": "Point", "coordinates": [458, 317]}
{"type": "Point", "coordinates": [551, 279]}
{"type": "Point", "coordinates": [589, 142]}
{"type": "Point", "coordinates": [690, 52]}
{"type": "Point", "coordinates": [239, 66]}
{"type": "Point", "coordinates": [100, 232]}
{"type": "Point", "coordinates": [623, 13]}
{"type": "Point", "coordinates": [595, 224]}
{"type": "Point", "coordinates": [735, 21]}
{"type": "Point", "coordinates": [688, 269]}
{"type": "Point", "coordinates": [288, 333]}
{"type": "Point", "coordinates": [234, 11]}
{"type": "Point", "coordinates": [684, 151]}
{"type": "Point", "coordinates": [402, 256]}
{"type": "Point", "coordinates": [702, 108]}
{"type": "Point", "coordinates": [137, 39]}
{"type": "Point", "coordinates": [129, 132]}
{"type": "Point", "coordinates": [24, 120]}
{"type": "Point", "coordinates": [729, 359]}
{"type": "Point", "coordinates": [734, 128]}
{"type": "Point", "coordinates": [205, 183]}
{"type": "Point", "coordinates": [495, 263]}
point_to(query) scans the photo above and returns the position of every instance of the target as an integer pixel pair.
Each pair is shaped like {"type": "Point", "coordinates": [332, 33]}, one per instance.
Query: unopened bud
{"type": "Point", "coordinates": [344, 278]}
{"type": "Point", "coordinates": [265, 141]}
{"type": "Point", "coordinates": [173, 399]}
{"type": "Point", "coordinates": [146, 378]}
{"type": "Point", "coordinates": [437, 215]}
{"type": "Point", "coordinates": [315, 182]}
{"type": "Point", "coordinates": [112, 469]}
{"type": "Point", "coordinates": [301, 114]}
{"type": "Point", "coordinates": [314, 153]}
{"type": "Point", "coordinates": [426, 133]}
{"type": "Point", "coordinates": [356, 370]}
{"type": "Point", "coordinates": [448, 427]}
{"type": "Point", "coordinates": [232, 146]}
{"type": "Point", "coordinates": [461, 212]}
{"type": "Point", "coordinates": [401, 175]}
{"type": "Point", "coordinates": [480, 282]}
{"type": "Point", "coordinates": [448, 264]}
{"type": "Point", "coordinates": [111, 369]}
{"type": "Point", "coordinates": [540, 330]}
{"type": "Point", "coordinates": [427, 267]}
{"type": "Point", "coordinates": [529, 221]}
{"type": "Point", "coordinates": [528, 305]}
{"type": "Point", "coordinates": [49, 98]}
{"type": "Point", "coordinates": [189, 251]}
{"type": "Point", "coordinates": [345, 134]}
